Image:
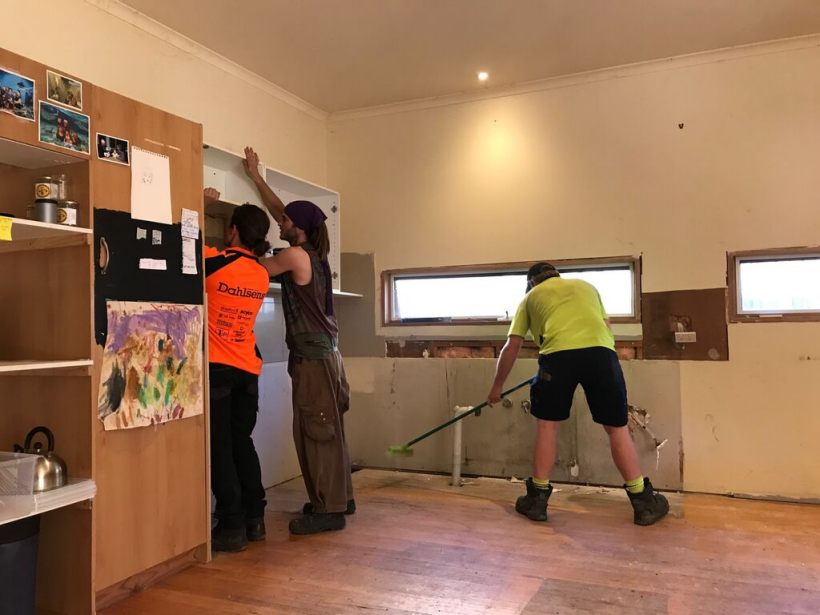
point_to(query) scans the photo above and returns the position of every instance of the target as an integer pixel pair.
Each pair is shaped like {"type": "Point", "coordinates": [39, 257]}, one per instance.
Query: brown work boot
{"type": "Point", "coordinates": [314, 523]}
{"type": "Point", "coordinates": [534, 504]}
{"type": "Point", "coordinates": [649, 505]}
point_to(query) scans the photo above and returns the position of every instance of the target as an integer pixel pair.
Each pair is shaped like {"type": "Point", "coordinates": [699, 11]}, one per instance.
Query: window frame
{"type": "Point", "coordinates": [388, 276]}
{"type": "Point", "coordinates": [733, 261]}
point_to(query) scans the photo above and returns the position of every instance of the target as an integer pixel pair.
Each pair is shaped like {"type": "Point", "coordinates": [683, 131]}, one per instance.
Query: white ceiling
{"type": "Point", "coordinates": [348, 54]}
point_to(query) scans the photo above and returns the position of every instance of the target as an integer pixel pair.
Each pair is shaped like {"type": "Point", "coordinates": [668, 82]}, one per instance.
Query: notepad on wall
{"type": "Point", "coordinates": [150, 186]}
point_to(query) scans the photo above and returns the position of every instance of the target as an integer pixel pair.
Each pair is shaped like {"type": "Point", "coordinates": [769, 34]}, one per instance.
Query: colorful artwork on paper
{"type": "Point", "coordinates": [152, 366]}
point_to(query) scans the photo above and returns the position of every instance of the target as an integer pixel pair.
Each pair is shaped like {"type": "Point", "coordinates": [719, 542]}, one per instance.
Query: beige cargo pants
{"type": "Point", "coordinates": [321, 396]}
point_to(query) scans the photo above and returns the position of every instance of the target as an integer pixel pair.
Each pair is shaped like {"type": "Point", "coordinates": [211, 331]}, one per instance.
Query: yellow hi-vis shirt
{"type": "Point", "coordinates": [563, 315]}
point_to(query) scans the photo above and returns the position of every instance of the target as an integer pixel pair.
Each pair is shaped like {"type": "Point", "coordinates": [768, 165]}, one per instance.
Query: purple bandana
{"type": "Point", "coordinates": [309, 217]}
{"type": "Point", "coordinates": [305, 215]}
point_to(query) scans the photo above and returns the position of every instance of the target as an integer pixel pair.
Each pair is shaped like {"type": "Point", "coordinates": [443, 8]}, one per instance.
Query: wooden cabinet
{"type": "Point", "coordinates": [151, 509]}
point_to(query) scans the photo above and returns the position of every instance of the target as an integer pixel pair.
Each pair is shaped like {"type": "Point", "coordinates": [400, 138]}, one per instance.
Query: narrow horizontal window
{"type": "Point", "coordinates": [776, 286]}
{"type": "Point", "coordinates": [487, 294]}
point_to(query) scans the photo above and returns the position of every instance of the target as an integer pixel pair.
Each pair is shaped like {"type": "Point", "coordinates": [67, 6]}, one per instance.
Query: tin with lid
{"type": "Point", "coordinates": [46, 188]}
{"type": "Point", "coordinates": [67, 212]}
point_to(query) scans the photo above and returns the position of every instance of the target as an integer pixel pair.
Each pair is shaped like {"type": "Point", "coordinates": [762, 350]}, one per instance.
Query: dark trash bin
{"type": "Point", "coordinates": [18, 565]}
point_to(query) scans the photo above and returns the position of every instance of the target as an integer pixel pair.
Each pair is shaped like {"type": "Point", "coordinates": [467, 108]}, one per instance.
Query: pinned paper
{"type": "Point", "coordinates": [5, 228]}
{"type": "Point", "coordinates": [156, 238]}
{"type": "Point", "coordinates": [190, 223]}
{"type": "Point", "coordinates": [142, 233]}
{"type": "Point", "coordinates": [153, 263]}
{"type": "Point", "coordinates": [150, 186]}
{"type": "Point", "coordinates": [189, 255]}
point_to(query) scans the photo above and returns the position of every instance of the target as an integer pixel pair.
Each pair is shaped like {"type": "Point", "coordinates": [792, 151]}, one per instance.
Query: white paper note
{"type": "Point", "coordinates": [153, 263]}
{"type": "Point", "coordinates": [142, 233]}
{"type": "Point", "coordinates": [189, 255]}
{"type": "Point", "coordinates": [150, 186]}
{"type": "Point", "coordinates": [190, 223]}
{"type": "Point", "coordinates": [156, 238]}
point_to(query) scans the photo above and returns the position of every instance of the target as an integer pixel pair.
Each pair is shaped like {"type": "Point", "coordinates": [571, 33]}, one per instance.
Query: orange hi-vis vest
{"type": "Point", "coordinates": [236, 284]}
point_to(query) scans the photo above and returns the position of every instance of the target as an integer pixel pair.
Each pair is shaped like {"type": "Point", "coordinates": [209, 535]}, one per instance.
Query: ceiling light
{"type": "Point", "coordinates": [483, 75]}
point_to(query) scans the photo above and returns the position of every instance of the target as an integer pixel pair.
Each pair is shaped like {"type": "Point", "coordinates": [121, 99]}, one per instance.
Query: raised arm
{"type": "Point", "coordinates": [269, 198]}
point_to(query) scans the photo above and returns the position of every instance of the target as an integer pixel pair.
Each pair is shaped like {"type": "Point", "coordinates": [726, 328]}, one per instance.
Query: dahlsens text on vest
{"type": "Point", "coordinates": [239, 292]}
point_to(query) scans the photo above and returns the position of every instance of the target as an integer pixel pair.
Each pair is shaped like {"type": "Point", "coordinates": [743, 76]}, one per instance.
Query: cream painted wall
{"type": "Point", "coordinates": [601, 168]}
{"type": "Point", "coordinates": [81, 38]}
{"type": "Point", "coordinates": [597, 169]}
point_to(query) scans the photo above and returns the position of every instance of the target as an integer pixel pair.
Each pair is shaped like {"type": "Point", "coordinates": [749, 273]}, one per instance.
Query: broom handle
{"type": "Point", "coordinates": [458, 417]}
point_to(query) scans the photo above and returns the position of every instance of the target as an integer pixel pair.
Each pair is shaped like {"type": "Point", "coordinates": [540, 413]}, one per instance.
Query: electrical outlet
{"type": "Point", "coordinates": [685, 337]}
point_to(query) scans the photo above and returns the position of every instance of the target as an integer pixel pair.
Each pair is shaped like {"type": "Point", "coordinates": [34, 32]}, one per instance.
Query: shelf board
{"type": "Point", "coordinates": [23, 229]}
{"type": "Point", "coordinates": [30, 365]}
{"type": "Point", "coordinates": [31, 157]}
{"type": "Point", "coordinates": [277, 288]}
{"type": "Point", "coordinates": [77, 490]}
{"type": "Point", "coordinates": [342, 293]}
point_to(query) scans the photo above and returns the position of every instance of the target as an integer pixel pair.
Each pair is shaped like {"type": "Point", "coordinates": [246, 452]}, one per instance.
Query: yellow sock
{"type": "Point", "coordinates": [541, 483]}
{"type": "Point", "coordinates": [635, 485]}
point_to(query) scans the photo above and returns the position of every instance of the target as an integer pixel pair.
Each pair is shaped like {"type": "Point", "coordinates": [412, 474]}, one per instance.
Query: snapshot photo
{"type": "Point", "coordinates": [64, 90]}
{"type": "Point", "coordinates": [16, 95]}
{"type": "Point", "coordinates": [64, 128]}
{"type": "Point", "coordinates": [112, 149]}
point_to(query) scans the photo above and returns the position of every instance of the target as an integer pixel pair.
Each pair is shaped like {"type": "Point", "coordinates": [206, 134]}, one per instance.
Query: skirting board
{"type": "Point", "coordinates": [146, 578]}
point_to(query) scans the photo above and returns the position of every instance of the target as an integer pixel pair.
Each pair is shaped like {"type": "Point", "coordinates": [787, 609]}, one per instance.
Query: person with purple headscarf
{"type": "Point", "coordinates": [321, 394]}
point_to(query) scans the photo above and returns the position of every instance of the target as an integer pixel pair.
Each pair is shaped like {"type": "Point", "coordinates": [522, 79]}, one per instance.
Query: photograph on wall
{"type": "Point", "coordinates": [64, 90]}
{"type": "Point", "coordinates": [112, 149]}
{"type": "Point", "coordinates": [16, 95]}
{"type": "Point", "coordinates": [64, 128]}
{"type": "Point", "coordinates": [152, 367]}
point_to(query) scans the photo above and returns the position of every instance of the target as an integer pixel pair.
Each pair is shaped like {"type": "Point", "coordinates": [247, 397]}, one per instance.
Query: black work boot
{"type": "Point", "coordinates": [534, 504]}
{"type": "Point", "coordinates": [255, 529]}
{"type": "Point", "coordinates": [351, 508]}
{"type": "Point", "coordinates": [230, 540]}
{"type": "Point", "coordinates": [314, 523]}
{"type": "Point", "coordinates": [649, 505]}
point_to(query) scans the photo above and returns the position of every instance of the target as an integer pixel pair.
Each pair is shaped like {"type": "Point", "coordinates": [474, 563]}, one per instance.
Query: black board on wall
{"type": "Point", "coordinates": [123, 280]}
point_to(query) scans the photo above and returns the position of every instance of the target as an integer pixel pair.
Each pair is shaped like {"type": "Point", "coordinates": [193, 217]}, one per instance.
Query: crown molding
{"type": "Point", "coordinates": [154, 28]}
{"type": "Point", "coordinates": [593, 76]}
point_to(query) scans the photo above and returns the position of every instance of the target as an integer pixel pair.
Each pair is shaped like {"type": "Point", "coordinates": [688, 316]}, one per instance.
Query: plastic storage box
{"type": "Point", "coordinates": [16, 485]}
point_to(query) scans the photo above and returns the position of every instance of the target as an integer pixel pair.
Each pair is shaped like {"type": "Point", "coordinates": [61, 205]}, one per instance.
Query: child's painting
{"type": "Point", "coordinates": [64, 128]}
{"type": "Point", "coordinates": [152, 369]}
{"type": "Point", "coordinates": [64, 90]}
{"type": "Point", "coordinates": [16, 95]}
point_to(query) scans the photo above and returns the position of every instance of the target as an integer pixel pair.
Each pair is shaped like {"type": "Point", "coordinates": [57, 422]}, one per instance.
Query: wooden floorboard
{"type": "Point", "coordinates": [419, 546]}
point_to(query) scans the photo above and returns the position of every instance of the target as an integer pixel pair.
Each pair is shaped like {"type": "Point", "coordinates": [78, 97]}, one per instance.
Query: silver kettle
{"type": "Point", "coordinates": [50, 471]}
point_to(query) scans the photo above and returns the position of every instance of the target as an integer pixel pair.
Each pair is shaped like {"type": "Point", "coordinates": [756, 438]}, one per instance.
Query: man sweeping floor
{"type": "Point", "coordinates": [576, 346]}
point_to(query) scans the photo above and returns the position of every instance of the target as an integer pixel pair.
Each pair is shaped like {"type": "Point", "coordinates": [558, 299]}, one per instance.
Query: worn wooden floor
{"type": "Point", "coordinates": [417, 545]}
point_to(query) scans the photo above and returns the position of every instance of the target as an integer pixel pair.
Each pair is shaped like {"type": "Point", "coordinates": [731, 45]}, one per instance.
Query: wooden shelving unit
{"type": "Point", "coordinates": [46, 351]}
{"type": "Point", "coordinates": [149, 486]}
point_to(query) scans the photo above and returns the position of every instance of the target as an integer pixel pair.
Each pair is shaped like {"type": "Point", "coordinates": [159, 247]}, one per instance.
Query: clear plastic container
{"type": "Point", "coordinates": [16, 485]}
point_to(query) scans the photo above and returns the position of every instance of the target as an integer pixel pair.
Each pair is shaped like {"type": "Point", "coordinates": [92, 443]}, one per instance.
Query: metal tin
{"type": "Point", "coordinates": [67, 213]}
{"type": "Point", "coordinates": [46, 188]}
{"type": "Point", "coordinates": [45, 210]}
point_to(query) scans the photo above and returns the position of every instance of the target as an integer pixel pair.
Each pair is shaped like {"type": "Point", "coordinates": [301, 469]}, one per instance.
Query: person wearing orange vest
{"type": "Point", "coordinates": [236, 284]}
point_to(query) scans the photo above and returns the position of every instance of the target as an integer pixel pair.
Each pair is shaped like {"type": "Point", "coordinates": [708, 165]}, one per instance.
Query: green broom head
{"type": "Point", "coordinates": [400, 450]}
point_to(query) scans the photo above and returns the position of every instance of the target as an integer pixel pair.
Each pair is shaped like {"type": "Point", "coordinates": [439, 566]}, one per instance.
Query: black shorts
{"type": "Point", "coordinates": [596, 369]}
